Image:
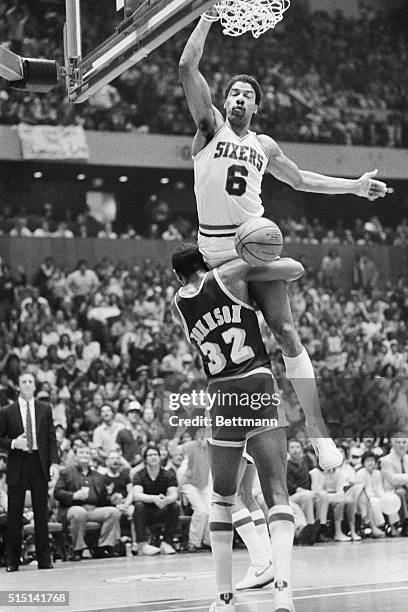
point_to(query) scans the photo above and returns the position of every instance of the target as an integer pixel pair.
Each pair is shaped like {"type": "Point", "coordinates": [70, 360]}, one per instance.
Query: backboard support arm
{"type": "Point", "coordinates": [152, 23]}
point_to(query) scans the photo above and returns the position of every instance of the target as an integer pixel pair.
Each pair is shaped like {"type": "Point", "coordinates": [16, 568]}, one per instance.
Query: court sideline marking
{"type": "Point", "coordinates": [205, 602]}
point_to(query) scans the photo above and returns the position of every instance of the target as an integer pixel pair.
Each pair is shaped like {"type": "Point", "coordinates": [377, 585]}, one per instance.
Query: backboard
{"type": "Point", "coordinates": [151, 24]}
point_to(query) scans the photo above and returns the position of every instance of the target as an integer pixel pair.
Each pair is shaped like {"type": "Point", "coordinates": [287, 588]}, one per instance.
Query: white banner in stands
{"type": "Point", "coordinates": [120, 4]}
{"type": "Point", "coordinates": [53, 142]}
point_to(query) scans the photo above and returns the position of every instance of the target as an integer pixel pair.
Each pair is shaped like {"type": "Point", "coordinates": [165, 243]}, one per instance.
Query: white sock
{"type": "Point", "coordinates": [282, 529]}
{"type": "Point", "coordinates": [244, 524]}
{"type": "Point", "coordinates": [221, 533]}
{"type": "Point", "coordinates": [262, 530]}
{"type": "Point", "coordinates": [300, 372]}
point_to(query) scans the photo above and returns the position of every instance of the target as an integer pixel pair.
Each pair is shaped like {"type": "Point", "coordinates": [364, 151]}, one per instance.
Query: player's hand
{"type": "Point", "coordinates": [368, 187]}
{"type": "Point", "coordinates": [20, 443]}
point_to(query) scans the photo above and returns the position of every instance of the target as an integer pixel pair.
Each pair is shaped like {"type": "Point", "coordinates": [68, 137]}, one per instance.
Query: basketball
{"type": "Point", "coordinates": [258, 241]}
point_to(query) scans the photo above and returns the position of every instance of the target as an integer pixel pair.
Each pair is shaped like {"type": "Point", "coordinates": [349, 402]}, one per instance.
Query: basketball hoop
{"type": "Point", "coordinates": [255, 16]}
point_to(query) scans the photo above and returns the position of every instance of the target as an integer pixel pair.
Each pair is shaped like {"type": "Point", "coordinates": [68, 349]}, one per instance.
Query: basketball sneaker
{"type": "Point", "coordinates": [282, 597]}
{"type": "Point", "coordinates": [148, 549]}
{"type": "Point", "coordinates": [167, 549]}
{"type": "Point", "coordinates": [256, 577]}
{"type": "Point", "coordinates": [225, 602]}
{"type": "Point", "coordinates": [327, 452]}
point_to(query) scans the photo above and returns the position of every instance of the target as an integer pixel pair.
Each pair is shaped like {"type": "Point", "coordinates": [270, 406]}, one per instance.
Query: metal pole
{"type": "Point", "coordinates": [73, 29]}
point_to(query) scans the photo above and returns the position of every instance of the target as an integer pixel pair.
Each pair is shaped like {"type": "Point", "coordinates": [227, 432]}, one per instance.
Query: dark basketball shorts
{"type": "Point", "coordinates": [241, 407]}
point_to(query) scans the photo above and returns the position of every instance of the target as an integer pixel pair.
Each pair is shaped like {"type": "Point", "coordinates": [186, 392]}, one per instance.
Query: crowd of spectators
{"type": "Point", "coordinates": [108, 357]}
{"type": "Point", "coordinates": [158, 221]}
{"type": "Point", "coordinates": [328, 78]}
{"type": "Point", "coordinates": [106, 334]}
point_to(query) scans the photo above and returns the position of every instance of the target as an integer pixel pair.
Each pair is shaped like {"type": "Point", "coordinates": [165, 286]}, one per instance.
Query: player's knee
{"type": "Point", "coordinates": [276, 494]}
{"type": "Point", "coordinates": [223, 485]}
{"type": "Point", "coordinates": [277, 498]}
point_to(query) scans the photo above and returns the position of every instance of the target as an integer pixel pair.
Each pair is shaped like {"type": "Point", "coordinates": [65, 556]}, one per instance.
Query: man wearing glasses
{"type": "Point", "coordinates": [155, 497]}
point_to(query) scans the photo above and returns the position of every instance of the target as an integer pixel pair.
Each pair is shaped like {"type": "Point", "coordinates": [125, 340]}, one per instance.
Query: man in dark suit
{"type": "Point", "coordinates": [27, 433]}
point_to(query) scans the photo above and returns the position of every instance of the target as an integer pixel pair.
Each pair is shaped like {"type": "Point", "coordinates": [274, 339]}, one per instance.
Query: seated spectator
{"type": "Point", "coordinates": [20, 228]}
{"type": "Point", "coordinates": [172, 363]}
{"type": "Point", "coordinates": [64, 445]}
{"type": "Point", "coordinates": [155, 496]}
{"type": "Point", "coordinates": [62, 231]}
{"type": "Point", "coordinates": [131, 438]}
{"type": "Point", "coordinates": [68, 370]}
{"type": "Point", "coordinates": [394, 469]}
{"type": "Point", "coordinates": [371, 478]}
{"type": "Point", "coordinates": [81, 492]}
{"type": "Point", "coordinates": [104, 436]}
{"type": "Point", "coordinates": [82, 282]}
{"type": "Point", "coordinates": [177, 460]}
{"type": "Point", "coordinates": [45, 373]}
{"type": "Point", "coordinates": [151, 425]}
{"type": "Point", "coordinates": [300, 492]}
{"type": "Point", "coordinates": [49, 335]}
{"type": "Point", "coordinates": [119, 490]}
{"type": "Point", "coordinates": [196, 487]}
{"type": "Point", "coordinates": [91, 348]}
{"type": "Point", "coordinates": [329, 485]}
{"type": "Point", "coordinates": [64, 349]}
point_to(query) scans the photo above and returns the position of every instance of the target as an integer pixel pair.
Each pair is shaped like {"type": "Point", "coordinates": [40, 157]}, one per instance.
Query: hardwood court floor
{"type": "Point", "coordinates": [370, 576]}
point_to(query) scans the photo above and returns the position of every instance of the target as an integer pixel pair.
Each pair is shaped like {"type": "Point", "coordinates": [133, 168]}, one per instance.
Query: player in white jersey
{"type": "Point", "coordinates": [229, 162]}
{"type": "Point", "coordinates": [228, 190]}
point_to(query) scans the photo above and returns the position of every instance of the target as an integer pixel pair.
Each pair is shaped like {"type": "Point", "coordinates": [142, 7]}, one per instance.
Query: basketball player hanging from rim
{"type": "Point", "coordinates": [229, 163]}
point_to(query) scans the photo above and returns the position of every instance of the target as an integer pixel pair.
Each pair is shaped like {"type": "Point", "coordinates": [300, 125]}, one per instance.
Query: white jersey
{"type": "Point", "coordinates": [228, 176]}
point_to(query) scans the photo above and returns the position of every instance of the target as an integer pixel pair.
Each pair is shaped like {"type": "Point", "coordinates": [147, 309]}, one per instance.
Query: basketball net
{"type": "Point", "coordinates": [255, 16]}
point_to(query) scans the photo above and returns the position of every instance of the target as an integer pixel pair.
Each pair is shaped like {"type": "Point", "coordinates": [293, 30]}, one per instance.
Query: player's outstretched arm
{"type": "Point", "coordinates": [284, 268]}
{"type": "Point", "coordinates": [196, 88]}
{"type": "Point", "coordinates": [284, 169]}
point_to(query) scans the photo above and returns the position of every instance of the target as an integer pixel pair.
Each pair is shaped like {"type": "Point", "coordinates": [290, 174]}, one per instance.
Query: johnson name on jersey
{"type": "Point", "coordinates": [223, 329]}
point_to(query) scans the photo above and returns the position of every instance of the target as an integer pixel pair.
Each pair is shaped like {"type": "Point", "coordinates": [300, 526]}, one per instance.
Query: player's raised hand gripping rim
{"type": "Point", "coordinates": [368, 187]}
{"type": "Point", "coordinates": [211, 14]}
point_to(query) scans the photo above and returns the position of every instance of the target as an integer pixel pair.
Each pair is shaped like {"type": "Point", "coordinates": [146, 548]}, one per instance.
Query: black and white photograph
{"type": "Point", "coordinates": [204, 305]}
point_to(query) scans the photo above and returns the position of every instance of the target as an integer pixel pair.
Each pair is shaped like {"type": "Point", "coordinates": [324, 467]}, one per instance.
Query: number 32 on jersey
{"type": "Point", "coordinates": [240, 352]}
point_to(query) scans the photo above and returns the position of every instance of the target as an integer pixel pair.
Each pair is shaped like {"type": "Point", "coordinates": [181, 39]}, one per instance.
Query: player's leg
{"type": "Point", "coordinates": [224, 468]}
{"type": "Point", "coordinates": [260, 571]}
{"type": "Point", "coordinates": [269, 451]}
{"type": "Point", "coordinates": [272, 299]}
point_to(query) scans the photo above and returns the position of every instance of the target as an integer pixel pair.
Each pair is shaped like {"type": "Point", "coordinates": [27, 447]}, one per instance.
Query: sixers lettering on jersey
{"type": "Point", "coordinates": [240, 153]}
{"type": "Point", "coordinates": [224, 330]}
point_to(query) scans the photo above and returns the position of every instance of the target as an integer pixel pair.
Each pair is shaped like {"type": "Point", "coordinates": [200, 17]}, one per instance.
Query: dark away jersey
{"type": "Point", "coordinates": [224, 330]}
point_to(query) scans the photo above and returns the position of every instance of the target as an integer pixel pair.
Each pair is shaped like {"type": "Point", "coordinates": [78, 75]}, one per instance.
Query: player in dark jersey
{"type": "Point", "coordinates": [213, 306]}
